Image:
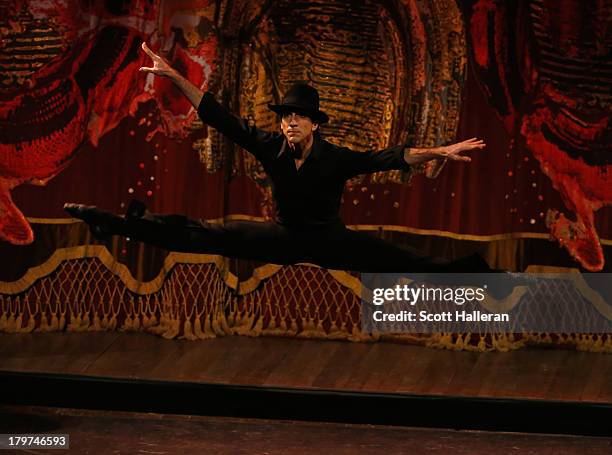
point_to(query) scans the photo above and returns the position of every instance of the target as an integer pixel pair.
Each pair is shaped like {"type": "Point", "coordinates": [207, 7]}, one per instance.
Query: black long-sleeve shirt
{"type": "Point", "coordinates": [308, 196]}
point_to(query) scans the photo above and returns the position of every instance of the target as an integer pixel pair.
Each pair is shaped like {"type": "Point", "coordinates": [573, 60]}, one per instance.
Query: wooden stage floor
{"type": "Point", "coordinates": [546, 374]}
{"type": "Point", "coordinates": [235, 395]}
{"type": "Point", "coordinates": [95, 432]}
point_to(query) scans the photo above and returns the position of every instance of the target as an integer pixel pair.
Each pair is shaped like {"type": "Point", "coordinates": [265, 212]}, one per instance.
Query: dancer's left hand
{"type": "Point", "coordinates": [453, 151]}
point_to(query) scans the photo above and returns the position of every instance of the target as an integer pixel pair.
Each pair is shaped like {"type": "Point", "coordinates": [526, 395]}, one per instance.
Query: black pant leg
{"type": "Point", "coordinates": [266, 242]}
{"type": "Point", "coordinates": [348, 249]}
{"type": "Point", "coordinates": [335, 247]}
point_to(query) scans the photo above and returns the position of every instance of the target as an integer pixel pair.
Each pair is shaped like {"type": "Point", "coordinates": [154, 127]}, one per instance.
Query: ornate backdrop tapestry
{"type": "Point", "coordinates": [78, 122]}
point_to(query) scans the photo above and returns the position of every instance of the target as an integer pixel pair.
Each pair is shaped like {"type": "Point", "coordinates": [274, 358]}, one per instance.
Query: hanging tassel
{"type": "Point", "coordinates": [54, 326]}
{"type": "Point", "coordinates": [10, 323]}
{"type": "Point", "coordinates": [188, 331]}
{"type": "Point", "coordinates": [84, 323]}
{"type": "Point", "coordinates": [44, 324]}
{"type": "Point", "coordinates": [30, 326]}
{"type": "Point", "coordinates": [173, 330]}
{"type": "Point", "coordinates": [97, 324]}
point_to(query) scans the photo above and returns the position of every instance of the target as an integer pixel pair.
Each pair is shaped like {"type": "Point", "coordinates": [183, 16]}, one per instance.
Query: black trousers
{"type": "Point", "coordinates": [333, 247]}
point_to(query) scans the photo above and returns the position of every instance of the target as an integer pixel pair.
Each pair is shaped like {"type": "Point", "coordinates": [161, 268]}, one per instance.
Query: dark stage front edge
{"type": "Point", "coordinates": [189, 398]}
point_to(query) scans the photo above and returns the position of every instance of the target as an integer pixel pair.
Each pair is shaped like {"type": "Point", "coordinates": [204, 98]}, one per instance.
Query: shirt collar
{"type": "Point", "coordinates": [315, 153]}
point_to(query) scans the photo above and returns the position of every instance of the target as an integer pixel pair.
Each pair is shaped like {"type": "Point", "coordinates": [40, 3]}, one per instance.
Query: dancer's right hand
{"type": "Point", "coordinates": [160, 66]}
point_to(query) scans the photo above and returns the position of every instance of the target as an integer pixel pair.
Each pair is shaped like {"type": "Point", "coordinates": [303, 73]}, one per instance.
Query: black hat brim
{"type": "Point", "coordinates": [316, 116]}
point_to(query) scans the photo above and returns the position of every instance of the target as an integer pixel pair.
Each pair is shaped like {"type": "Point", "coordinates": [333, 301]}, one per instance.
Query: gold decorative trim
{"type": "Point", "coordinates": [120, 270]}
{"type": "Point", "coordinates": [362, 227]}
{"type": "Point", "coordinates": [266, 271]}
{"type": "Point", "coordinates": [347, 280]}
{"type": "Point", "coordinates": [453, 235]}
{"type": "Point", "coordinates": [208, 318]}
{"type": "Point", "coordinates": [259, 274]}
{"type": "Point", "coordinates": [582, 286]}
{"type": "Point", "coordinates": [32, 220]}
{"type": "Point", "coordinates": [550, 269]}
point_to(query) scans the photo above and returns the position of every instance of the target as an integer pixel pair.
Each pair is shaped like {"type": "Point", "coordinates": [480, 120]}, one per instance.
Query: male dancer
{"type": "Point", "coordinates": [308, 176]}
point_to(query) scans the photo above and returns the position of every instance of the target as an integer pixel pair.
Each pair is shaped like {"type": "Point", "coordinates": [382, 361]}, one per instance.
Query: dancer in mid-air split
{"type": "Point", "coordinates": [308, 176]}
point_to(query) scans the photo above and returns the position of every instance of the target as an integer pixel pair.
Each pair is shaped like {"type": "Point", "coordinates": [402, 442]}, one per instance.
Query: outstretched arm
{"type": "Point", "coordinates": [404, 157]}
{"type": "Point", "coordinates": [238, 130]}
{"type": "Point", "coordinates": [162, 68]}
{"type": "Point", "coordinates": [451, 152]}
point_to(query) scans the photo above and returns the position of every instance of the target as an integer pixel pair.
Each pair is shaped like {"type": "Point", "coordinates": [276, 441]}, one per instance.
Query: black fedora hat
{"type": "Point", "coordinates": [302, 98]}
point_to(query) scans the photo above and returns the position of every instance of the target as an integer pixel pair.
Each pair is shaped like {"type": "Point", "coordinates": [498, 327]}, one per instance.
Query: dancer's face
{"type": "Point", "coordinates": [297, 128]}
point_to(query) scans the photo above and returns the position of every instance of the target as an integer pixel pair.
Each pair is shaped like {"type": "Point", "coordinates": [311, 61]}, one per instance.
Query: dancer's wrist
{"type": "Point", "coordinates": [420, 155]}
